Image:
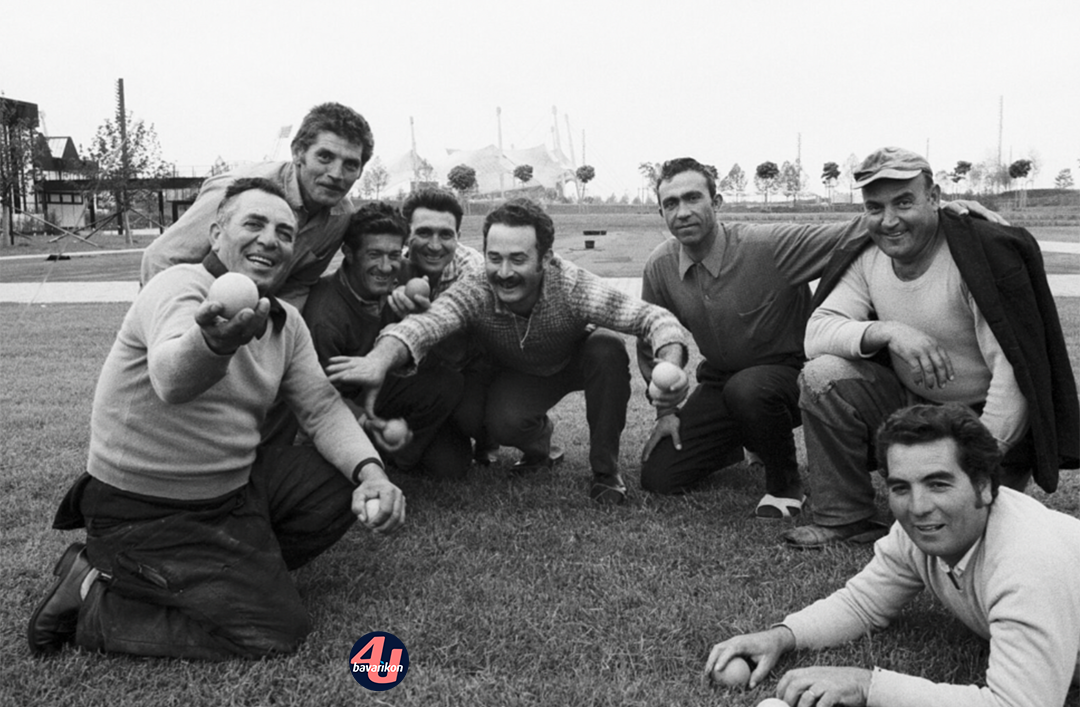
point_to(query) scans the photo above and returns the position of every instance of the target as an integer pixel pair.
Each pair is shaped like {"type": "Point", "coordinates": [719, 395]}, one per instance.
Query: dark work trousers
{"type": "Point", "coordinates": [207, 579]}
{"type": "Point", "coordinates": [513, 406]}
{"type": "Point", "coordinates": [756, 408]}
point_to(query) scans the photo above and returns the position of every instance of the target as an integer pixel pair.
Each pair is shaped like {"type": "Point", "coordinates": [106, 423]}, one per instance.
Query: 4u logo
{"type": "Point", "coordinates": [379, 661]}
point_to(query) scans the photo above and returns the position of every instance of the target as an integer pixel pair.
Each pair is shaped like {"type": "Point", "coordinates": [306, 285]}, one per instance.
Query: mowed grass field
{"type": "Point", "coordinates": [506, 590]}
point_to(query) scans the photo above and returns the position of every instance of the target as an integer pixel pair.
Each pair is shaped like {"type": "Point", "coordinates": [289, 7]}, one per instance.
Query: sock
{"type": "Point", "coordinates": [89, 579]}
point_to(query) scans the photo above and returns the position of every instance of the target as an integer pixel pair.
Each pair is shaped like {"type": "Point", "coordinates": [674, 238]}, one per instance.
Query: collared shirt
{"type": "Point", "coordinates": [318, 235]}
{"type": "Point", "coordinates": [746, 303]}
{"type": "Point", "coordinates": [571, 301]}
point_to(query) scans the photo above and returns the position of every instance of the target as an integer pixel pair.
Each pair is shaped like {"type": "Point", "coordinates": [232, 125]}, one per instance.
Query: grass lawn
{"type": "Point", "coordinates": [506, 591]}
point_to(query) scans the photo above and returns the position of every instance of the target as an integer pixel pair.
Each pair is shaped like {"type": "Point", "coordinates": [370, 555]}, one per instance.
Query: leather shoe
{"type": "Point", "coordinates": [54, 620]}
{"type": "Point", "coordinates": [607, 489]}
{"type": "Point", "coordinates": [812, 536]}
{"type": "Point", "coordinates": [526, 465]}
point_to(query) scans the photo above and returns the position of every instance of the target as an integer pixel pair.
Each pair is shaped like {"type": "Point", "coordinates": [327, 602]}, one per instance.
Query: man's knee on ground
{"type": "Point", "coordinates": [655, 477]}
{"type": "Point", "coordinates": [604, 348]}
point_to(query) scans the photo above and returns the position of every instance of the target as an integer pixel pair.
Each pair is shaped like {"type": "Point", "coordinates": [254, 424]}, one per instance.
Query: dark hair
{"type": "Point", "coordinates": [978, 452]}
{"type": "Point", "coordinates": [340, 120]}
{"type": "Point", "coordinates": [247, 184]}
{"type": "Point", "coordinates": [378, 218]}
{"type": "Point", "coordinates": [686, 164]}
{"type": "Point", "coordinates": [523, 212]}
{"type": "Point", "coordinates": [435, 199]}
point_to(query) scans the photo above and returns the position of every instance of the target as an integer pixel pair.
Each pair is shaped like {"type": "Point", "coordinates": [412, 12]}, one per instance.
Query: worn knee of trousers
{"type": "Point", "coordinates": [820, 376]}
{"type": "Point", "coordinates": [605, 352]}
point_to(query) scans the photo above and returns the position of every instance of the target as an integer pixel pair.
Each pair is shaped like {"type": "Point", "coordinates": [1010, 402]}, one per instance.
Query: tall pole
{"type": "Point", "coordinates": [415, 157]}
{"type": "Point", "coordinates": [555, 129]}
{"type": "Point", "coordinates": [498, 119]}
{"type": "Point", "coordinates": [125, 163]}
{"type": "Point", "coordinates": [570, 139]}
{"type": "Point", "coordinates": [1001, 123]}
{"type": "Point", "coordinates": [584, 160]}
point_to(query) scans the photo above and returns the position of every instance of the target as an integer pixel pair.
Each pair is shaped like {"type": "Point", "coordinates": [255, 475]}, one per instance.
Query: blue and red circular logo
{"type": "Point", "coordinates": [379, 661]}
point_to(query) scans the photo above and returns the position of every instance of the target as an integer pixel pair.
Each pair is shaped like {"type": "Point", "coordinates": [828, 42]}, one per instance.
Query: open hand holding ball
{"type": "Point", "coordinates": [234, 292]}
{"type": "Point", "coordinates": [395, 431]}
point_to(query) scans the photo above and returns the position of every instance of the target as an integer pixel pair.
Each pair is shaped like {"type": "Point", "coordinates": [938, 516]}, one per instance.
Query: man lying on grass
{"type": "Point", "coordinates": [1000, 561]}
{"type": "Point", "coordinates": [191, 529]}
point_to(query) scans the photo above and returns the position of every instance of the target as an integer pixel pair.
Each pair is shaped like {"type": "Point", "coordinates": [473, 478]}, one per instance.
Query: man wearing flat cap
{"type": "Point", "coordinates": [943, 309]}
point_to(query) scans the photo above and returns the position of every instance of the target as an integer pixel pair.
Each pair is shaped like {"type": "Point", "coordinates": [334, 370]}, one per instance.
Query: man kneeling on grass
{"type": "Point", "coordinates": [191, 529]}
{"type": "Point", "coordinates": [1000, 561]}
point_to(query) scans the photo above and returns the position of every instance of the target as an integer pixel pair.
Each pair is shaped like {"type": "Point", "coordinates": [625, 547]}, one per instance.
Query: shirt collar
{"type": "Point", "coordinates": [293, 195]}
{"type": "Point", "coordinates": [962, 565]}
{"type": "Point", "coordinates": [712, 261]}
{"type": "Point", "coordinates": [215, 267]}
{"type": "Point", "coordinates": [372, 304]}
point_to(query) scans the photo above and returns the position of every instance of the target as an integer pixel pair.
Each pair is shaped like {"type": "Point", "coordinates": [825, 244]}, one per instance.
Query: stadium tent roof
{"type": "Point", "coordinates": [549, 170]}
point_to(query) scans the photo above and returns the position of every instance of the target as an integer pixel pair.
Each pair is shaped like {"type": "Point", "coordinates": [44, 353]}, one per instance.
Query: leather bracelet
{"type": "Point", "coordinates": [361, 465]}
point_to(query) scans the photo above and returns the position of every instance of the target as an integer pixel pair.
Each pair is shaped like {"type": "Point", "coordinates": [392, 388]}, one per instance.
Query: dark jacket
{"type": "Point", "coordinates": [1003, 268]}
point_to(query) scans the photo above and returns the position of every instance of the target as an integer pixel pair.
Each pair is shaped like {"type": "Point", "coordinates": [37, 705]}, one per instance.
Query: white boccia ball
{"type": "Point", "coordinates": [654, 392]}
{"type": "Point", "coordinates": [235, 292]}
{"type": "Point", "coordinates": [772, 702]}
{"type": "Point", "coordinates": [736, 673]}
{"type": "Point", "coordinates": [395, 431]}
{"type": "Point", "coordinates": [417, 287]}
{"type": "Point", "coordinates": [666, 375]}
{"type": "Point", "coordinates": [371, 508]}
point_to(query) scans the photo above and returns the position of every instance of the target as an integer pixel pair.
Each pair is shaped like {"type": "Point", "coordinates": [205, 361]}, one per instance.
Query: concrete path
{"type": "Point", "coordinates": [125, 291]}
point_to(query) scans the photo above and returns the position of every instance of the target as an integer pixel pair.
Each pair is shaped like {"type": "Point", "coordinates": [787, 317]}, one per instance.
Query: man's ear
{"type": "Point", "coordinates": [717, 201]}
{"type": "Point", "coordinates": [935, 195]}
{"type": "Point", "coordinates": [215, 235]}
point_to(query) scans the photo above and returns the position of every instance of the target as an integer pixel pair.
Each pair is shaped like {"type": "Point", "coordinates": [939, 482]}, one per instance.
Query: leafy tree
{"type": "Point", "coordinates": [425, 171]}
{"type": "Point", "coordinates": [107, 168]}
{"type": "Point", "coordinates": [830, 174]}
{"type": "Point", "coordinates": [1020, 169]}
{"type": "Point", "coordinates": [651, 171]}
{"type": "Point", "coordinates": [1064, 179]}
{"type": "Point", "coordinates": [767, 179]}
{"type": "Point", "coordinates": [18, 133]}
{"type": "Point", "coordinates": [584, 174]}
{"type": "Point", "coordinates": [462, 179]}
{"type": "Point", "coordinates": [791, 180]}
{"type": "Point", "coordinates": [523, 173]}
{"type": "Point", "coordinates": [376, 178]}
{"type": "Point", "coordinates": [736, 181]}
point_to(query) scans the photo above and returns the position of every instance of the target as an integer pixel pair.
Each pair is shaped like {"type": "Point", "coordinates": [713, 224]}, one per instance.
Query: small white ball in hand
{"type": "Point", "coordinates": [417, 287]}
{"type": "Point", "coordinates": [736, 673]}
{"type": "Point", "coordinates": [654, 391]}
{"type": "Point", "coordinates": [666, 375]}
{"type": "Point", "coordinates": [235, 292]}
{"type": "Point", "coordinates": [395, 431]}
{"type": "Point", "coordinates": [371, 509]}
{"type": "Point", "coordinates": [773, 702]}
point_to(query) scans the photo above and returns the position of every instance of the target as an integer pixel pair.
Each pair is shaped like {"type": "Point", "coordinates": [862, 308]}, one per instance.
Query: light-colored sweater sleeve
{"type": "Point", "coordinates": [837, 326]}
{"type": "Point", "coordinates": [613, 309]}
{"type": "Point", "coordinates": [452, 311]}
{"type": "Point", "coordinates": [869, 600]}
{"type": "Point", "coordinates": [322, 413]}
{"type": "Point", "coordinates": [181, 364]}
{"type": "Point", "coordinates": [1006, 411]}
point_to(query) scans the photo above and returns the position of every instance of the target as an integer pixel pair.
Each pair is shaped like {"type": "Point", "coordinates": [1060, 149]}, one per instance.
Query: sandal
{"type": "Point", "coordinates": [776, 507]}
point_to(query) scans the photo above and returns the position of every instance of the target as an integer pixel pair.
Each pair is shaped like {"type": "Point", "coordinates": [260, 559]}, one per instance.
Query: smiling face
{"type": "Point", "coordinates": [689, 211]}
{"type": "Point", "coordinates": [433, 239]}
{"type": "Point", "coordinates": [515, 270]}
{"type": "Point", "coordinates": [934, 500]}
{"type": "Point", "coordinates": [254, 237]}
{"type": "Point", "coordinates": [902, 216]}
{"type": "Point", "coordinates": [372, 269]}
{"type": "Point", "coordinates": [328, 169]}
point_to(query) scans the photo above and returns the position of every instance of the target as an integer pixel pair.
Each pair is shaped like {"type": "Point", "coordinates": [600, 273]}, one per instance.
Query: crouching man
{"type": "Point", "coordinates": [191, 528]}
{"type": "Point", "coordinates": [1001, 562]}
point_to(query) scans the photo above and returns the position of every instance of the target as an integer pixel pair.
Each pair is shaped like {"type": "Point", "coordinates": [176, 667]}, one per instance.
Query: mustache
{"type": "Point", "coordinates": [512, 281]}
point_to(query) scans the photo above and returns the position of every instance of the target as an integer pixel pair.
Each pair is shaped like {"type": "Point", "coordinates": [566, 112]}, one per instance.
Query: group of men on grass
{"type": "Point", "coordinates": [226, 451]}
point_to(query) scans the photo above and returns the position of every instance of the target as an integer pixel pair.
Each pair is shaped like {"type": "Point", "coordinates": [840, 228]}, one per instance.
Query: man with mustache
{"type": "Point", "coordinates": [191, 526]}
{"type": "Point", "coordinates": [346, 311]}
{"type": "Point", "coordinates": [329, 152]}
{"type": "Point", "coordinates": [538, 317]}
{"type": "Point", "coordinates": [928, 308]}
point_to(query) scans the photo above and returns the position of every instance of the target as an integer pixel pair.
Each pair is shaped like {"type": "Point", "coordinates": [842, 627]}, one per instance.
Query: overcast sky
{"type": "Point", "coordinates": [723, 81]}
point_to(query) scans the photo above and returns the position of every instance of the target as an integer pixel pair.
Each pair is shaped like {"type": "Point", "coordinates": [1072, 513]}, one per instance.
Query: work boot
{"type": "Point", "coordinates": [54, 620]}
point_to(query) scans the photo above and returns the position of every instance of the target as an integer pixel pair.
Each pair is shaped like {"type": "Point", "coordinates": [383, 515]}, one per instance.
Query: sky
{"type": "Point", "coordinates": [725, 81]}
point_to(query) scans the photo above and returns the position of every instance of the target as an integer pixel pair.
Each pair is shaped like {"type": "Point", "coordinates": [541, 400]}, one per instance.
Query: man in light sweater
{"type": "Point", "coordinates": [928, 308]}
{"type": "Point", "coordinates": [191, 528]}
{"type": "Point", "coordinates": [1001, 562]}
